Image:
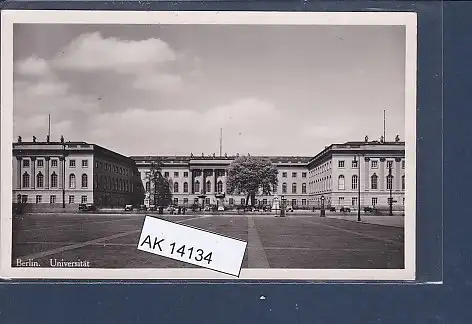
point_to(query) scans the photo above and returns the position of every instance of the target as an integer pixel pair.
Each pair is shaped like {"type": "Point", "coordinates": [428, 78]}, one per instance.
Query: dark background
{"type": "Point", "coordinates": [443, 177]}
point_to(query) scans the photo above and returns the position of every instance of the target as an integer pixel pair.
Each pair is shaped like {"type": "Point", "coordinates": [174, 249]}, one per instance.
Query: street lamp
{"type": "Point", "coordinates": [322, 214]}
{"type": "Point", "coordinates": [358, 163]}
{"type": "Point", "coordinates": [63, 172]}
{"type": "Point", "coordinates": [390, 182]}
{"type": "Point", "coordinates": [282, 207]}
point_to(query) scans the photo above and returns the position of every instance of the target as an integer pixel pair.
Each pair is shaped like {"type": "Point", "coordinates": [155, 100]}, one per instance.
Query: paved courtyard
{"type": "Point", "coordinates": [296, 241]}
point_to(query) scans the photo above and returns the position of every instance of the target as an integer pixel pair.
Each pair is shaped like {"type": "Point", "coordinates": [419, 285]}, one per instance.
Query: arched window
{"type": "Point", "coordinates": [185, 186]}
{"type": "Point", "coordinates": [389, 182]}
{"type": "Point", "coordinates": [294, 188]}
{"type": "Point", "coordinates": [403, 182]}
{"type": "Point", "coordinates": [208, 186]}
{"type": "Point", "coordinates": [303, 188]}
{"type": "Point", "coordinates": [26, 180]}
{"type": "Point", "coordinates": [54, 180]}
{"type": "Point", "coordinates": [284, 188]}
{"type": "Point", "coordinates": [355, 182]}
{"type": "Point", "coordinates": [219, 186]}
{"type": "Point", "coordinates": [176, 187]}
{"type": "Point", "coordinates": [84, 181]}
{"type": "Point", "coordinates": [40, 180]}
{"type": "Point", "coordinates": [115, 187]}
{"type": "Point", "coordinates": [197, 186]}
{"type": "Point", "coordinates": [373, 182]}
{"type": "Point", "coordinates": [341, 182]}
{"type": "Point", "coordinates": [72, 181]}
{"type": "Point", "coordinates": [147, 186]}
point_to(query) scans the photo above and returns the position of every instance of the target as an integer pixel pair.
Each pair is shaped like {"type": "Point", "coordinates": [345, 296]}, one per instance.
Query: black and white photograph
{"type": "Point", "coordinates": [293, 133]}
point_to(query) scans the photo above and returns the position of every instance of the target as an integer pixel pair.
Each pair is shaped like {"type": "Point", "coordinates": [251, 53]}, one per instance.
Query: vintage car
{"type": "Point", "coordinates": [87, 207]}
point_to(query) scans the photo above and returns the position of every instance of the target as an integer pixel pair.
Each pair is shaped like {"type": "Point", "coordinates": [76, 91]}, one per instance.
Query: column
{"type": "Point", "coordinates": [33, 172]}
{"type": "Point", "coordinates": [382, 176]}
{"type": "Point", "coordinates": [366, 173]}
{"type": "Point", "coordinates": [61, 183]}
{"type": "Point", "coordinates": [398, 175]}
{"type": "Point", "coordinates": [216, 178]}
{"type": "Point", "coordinates": [47, 176]}
{"type": "Point", "coordinates": [204, 181]}
{"type": "Point", "coordinates": [18, 172]}
{"type": "Point", "coordinates": [192, 177]}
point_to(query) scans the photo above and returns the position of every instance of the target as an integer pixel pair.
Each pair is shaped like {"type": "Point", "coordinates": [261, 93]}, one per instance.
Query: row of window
{"type": "Point", "coordinates": [52, 199]}
{"type": "Point", "coordinates": [319, 185]}
{"type": "Point", "coordinates": [264, 201]}
{"type": "Point", "coordinates": [219, 187]}
{"type": "Point", "coordinates": [294, 174]}
{"type": "Point", "coordinates": [354, 201]}
{"type": "Point", "coordinates": [113, 184]}
{"type": "Point", "coordinates": [374, 164]}
{"type": "Point", "coordinates": [219, 173]}
{"type": "Point", "coordinates": [26, 180]}
{"type": "Point", "coordinates": [112, 168]}
{"type": "Point", "coordinates": [54, 163]}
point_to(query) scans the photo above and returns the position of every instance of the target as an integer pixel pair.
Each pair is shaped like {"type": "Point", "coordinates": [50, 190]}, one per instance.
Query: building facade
{"type": "Point", "coordinates": [194, 177]}
{"type": "Point", "coordinates": [375, 171]}
{"type": "Point", "coordinates": [45, 172]}
{"type": "Point", "coordinates": [340, 174]}
{"type": "Point", "coordinates": [50, 173]}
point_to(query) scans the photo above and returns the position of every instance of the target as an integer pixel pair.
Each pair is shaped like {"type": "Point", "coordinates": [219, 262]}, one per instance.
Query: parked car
{"type": "Point", "coordinates": [152, 207]}
{"type": "Point", "coordinates": [87, 207]}
{"type": "Point", "coordinates": [289, 209]}
{"type": "Point", "coordinates": [368, 209]}
{"type": "Point", "coordinates": [221, 208]}
{"type": "Point", "coordinates": [142, 208]}
{"type": "Point", "coordinates": [128, 207]}
{"type": "Point", "coordinates": [345, 209]}
{"type": "Point", "coordinates": [332, 209]}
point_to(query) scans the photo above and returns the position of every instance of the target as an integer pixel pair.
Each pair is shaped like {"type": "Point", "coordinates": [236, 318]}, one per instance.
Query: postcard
{"type": "Point", "coordinates": [208, 145]}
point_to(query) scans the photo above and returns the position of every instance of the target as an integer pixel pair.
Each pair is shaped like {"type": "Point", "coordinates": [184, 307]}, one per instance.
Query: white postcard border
{"type": "Point", "coordinates": [10, 17]}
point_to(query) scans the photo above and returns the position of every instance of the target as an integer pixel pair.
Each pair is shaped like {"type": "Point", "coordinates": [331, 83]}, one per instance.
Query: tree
{"type": "Point", "coordinates": [249, 174]}
{"type": "Point", "coordinates": [160, 186]}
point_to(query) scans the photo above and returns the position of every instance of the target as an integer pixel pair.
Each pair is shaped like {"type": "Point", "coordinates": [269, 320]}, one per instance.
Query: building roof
{"type": "Point", "coordinates": [371, 146]}
{"type": "Point", "coordinates": [188, 158]}
{"type": "Point", "coordinates": [70, 145]}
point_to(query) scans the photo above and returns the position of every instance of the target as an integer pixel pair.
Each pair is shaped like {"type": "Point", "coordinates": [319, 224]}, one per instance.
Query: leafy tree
{"type": "Point", "coordinates": [160, 187]}
{"type": "Point", "coordinates": [249, 175]}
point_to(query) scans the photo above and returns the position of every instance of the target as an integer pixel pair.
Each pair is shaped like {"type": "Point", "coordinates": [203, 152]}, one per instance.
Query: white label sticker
{"type": "Point", "coordinates": [192, 245]}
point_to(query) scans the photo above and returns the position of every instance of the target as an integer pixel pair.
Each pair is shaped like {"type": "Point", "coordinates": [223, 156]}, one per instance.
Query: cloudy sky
{"type": "Point", "coordinates": [275, 90]}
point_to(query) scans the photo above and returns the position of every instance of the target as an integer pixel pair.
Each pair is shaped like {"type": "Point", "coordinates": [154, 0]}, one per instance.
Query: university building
{"type": "Point", "coordinates": [375, 171]}
{"type": "Point", "coordinates": [339, 174]}
{"type": "Point", "coordinates": [88, 173]}
{"type": "Point", "coordinates": [197, 178]}
{"type": "Point", "coordinates": [48, 173]}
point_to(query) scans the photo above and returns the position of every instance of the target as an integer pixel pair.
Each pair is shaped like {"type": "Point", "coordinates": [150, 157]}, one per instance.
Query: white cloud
{"type": "Point", "coordinates": [32, 66]}
{"type": "Point", "coordinates": [249, 125]}
{"type": "Point", "coordinates": [159, 82]}
{"type": "Point", "coordinates": [47, 88]}
{"type": "Point", "coordinates": [37, 125]}
{"type": "Point", "coordinates": [46, 97]}
{"type": "Point", "coordinates": [92, 52]}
